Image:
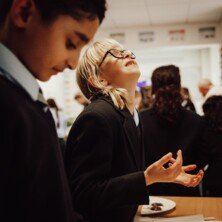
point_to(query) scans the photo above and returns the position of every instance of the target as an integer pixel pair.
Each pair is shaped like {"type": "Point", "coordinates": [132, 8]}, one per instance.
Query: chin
{"type": "Point", "coordinates": [136, 71]}
{"type": "Point", "coordinates": [44, 77]}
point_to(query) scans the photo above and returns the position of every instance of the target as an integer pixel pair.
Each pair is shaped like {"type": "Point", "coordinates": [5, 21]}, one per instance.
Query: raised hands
{"type": "Point", "coordinates": [189, 180]}
{"type": "Point", "coordinates": [175, 173]}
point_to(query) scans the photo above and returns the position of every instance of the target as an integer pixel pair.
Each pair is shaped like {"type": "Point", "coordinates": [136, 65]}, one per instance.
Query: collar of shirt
{"type": "Point", "coordinates": [136, 117]}
{"type": "Point", "coordinates": [11, 64]}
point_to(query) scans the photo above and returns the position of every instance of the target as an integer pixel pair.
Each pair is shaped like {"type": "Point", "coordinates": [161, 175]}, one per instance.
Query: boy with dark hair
{"type": "Point", "coordinates": [38, 39]}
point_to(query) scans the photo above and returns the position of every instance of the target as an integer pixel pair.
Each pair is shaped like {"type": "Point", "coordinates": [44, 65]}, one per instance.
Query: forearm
{"type": "Point", "coordinates": [124, 190]}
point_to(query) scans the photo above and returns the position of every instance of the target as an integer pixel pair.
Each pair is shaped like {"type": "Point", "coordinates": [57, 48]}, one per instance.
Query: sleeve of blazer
{"type": "Point", "coordinates": [89, 159]}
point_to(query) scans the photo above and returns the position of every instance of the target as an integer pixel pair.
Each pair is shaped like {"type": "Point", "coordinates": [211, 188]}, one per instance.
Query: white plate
{"type": "Point", "coordinates": [167, 206]}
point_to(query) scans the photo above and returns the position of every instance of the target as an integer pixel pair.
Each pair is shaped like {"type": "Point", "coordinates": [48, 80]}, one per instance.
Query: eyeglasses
{"type": "Point", "coordinates": [119, 54]}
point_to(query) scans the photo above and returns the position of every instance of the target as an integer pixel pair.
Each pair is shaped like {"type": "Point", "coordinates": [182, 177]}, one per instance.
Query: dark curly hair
{"type": "Point", "coordinates": [166, 88]}
{"type": "Point", "coordinates": [213, 112]}
{"type": "Point", "coordinates": [51, 9]}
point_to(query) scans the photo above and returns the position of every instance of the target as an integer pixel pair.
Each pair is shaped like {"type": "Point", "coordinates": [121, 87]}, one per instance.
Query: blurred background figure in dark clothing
{"type": "Point", "coordinates": [168, 127]}
{"type": "Point", "coordinates": [187, 102]}
{"type": "Point", "coordinates": [212, 183]}
{"type": "Point", "coordinates": [146, 92]}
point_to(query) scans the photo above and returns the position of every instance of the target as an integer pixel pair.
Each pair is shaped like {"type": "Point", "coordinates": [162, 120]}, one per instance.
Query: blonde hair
{"type": "Point", "coordinates": [88, 73]}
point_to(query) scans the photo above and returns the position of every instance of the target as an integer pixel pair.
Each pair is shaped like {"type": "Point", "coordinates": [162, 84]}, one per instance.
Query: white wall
{"type": "Point", "coordinates": [162, 38]}
{"type": "Point", "coordinates": [215, 64]}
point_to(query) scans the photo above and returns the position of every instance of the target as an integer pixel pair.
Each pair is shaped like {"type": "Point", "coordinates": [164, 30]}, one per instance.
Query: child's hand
{"type": "Point", "coordinates": [189, 180]}
{"type": "Point", "coordinates": [157, 173]}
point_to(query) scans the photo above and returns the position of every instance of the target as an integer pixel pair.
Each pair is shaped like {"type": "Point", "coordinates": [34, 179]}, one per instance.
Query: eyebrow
{"type": "Point", "coordinates": [82, 36]}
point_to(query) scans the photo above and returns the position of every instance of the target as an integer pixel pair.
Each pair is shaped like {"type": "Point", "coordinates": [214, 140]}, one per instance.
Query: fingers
{"type": "Point", "coordinates": [179, 154]}
{"type": "Point", "coordinates": [166, 158]}
{"type": "Point", "coordinates": [177, 163]}
{"type": "Point", "coordinates": [172, 160]}
{"type": "Point", "coordinates": [199, 177]}
{"type": "Point", "coordinates": [179, 158]}
{"type": "Point", "coordinates": [189, 167]}
{"type": "Point", "coordinates": [185, 168]}
{"type": "Point", "coordinates": [175, 167]}
{"type": "Point", "coordinates": [196, 179]}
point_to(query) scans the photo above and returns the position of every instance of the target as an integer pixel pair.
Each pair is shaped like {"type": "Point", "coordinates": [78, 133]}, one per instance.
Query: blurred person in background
{"type": "Point", "coordinates": [186, 99]}
{"type": "Point", "coordinates": [147, 97]}
{"type": "Point", "coordinates": [83, 102]}
{"type": "Point", "coordinates": [212, 183]}
{"type": "Point", "coordinates": [204, 86]}
{"type": "Point", "coordinates": [81, 99]}
{"type": "Point", "coordinates": [60, 122]}
{"type": "Point", "coordinates": [169, 126]}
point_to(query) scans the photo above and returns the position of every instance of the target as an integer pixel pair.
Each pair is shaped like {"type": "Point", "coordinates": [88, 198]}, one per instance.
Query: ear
{"type": "Point", "coordinates": [21, 12]}
{"type": "Point", "coordinates": [104, 82]}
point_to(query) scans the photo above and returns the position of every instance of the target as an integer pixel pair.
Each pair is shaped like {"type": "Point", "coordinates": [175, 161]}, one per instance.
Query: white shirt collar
{"type": "Point", "coordinates": [11, 64]}
{"type": "Point", "coordinates": [136, 117]}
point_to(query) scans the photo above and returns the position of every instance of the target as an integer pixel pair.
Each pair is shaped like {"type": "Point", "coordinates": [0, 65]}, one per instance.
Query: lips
{"type": "Point", "coordinates": [130, 62]}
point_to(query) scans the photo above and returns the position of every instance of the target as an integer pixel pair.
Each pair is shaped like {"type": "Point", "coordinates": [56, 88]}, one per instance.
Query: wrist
{"type": "Point", "coordinates": [148, 179]}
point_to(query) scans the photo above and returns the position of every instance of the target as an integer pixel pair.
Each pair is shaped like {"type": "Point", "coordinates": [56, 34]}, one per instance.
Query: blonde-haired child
{"type": "Point", "coordinates": [105, 156]}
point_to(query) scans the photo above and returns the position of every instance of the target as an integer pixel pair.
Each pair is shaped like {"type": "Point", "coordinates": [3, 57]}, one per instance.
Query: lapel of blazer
{"type": "Point", "coordinates": [130, 131]}
{"type": "Point", "coordinates": [131, 135]}
{"type": "Point", "coordinates": [142, 144]}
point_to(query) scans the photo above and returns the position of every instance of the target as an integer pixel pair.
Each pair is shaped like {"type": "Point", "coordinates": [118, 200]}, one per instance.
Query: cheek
{"type": "Point", "coordinates": [110, 75]}
{"type": "Point", "coordinates": [111, 70]}
{"type": "Point", "coordinates": [51, 50]}
{"type": "Point", "coordinates": [115, 78]}
{"type": "Point", "coordinates": [75, 55]}
{"type": "Point", "coordinates": [54, 56]}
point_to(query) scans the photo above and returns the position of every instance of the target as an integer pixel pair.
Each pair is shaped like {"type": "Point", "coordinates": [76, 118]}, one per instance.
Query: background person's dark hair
{"type": "Point", "coordinates": [166, 88]}
{"type": "Point", "coordinates": [213, 112]}
{"type": "Point", "coordinates": [185, 92]}
{"type": "Point", "coordinates": [51, 9]}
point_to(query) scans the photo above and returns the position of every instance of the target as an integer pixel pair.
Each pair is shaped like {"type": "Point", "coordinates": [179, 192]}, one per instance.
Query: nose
{"type": "Point", "coordinates": [70, 66]}
{"type": "Point", "coordinates": [72, 60]}
{"type": "Point", "coordinates": [71, 63]}
{"type": "Point", "coordinates": [128, 54]}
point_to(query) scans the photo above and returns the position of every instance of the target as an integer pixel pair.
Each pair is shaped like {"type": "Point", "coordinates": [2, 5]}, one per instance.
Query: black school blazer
{"type": "Point", "coordinates": [33, 185]}
{"type": "Point", "coordinates": [161, 137]}
{"type": "Point", "coordinates": [104, 162]}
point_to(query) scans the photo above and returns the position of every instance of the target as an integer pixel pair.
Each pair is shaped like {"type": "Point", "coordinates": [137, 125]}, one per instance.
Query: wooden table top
{"type": "Point", "coordinates": [209, 207]}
